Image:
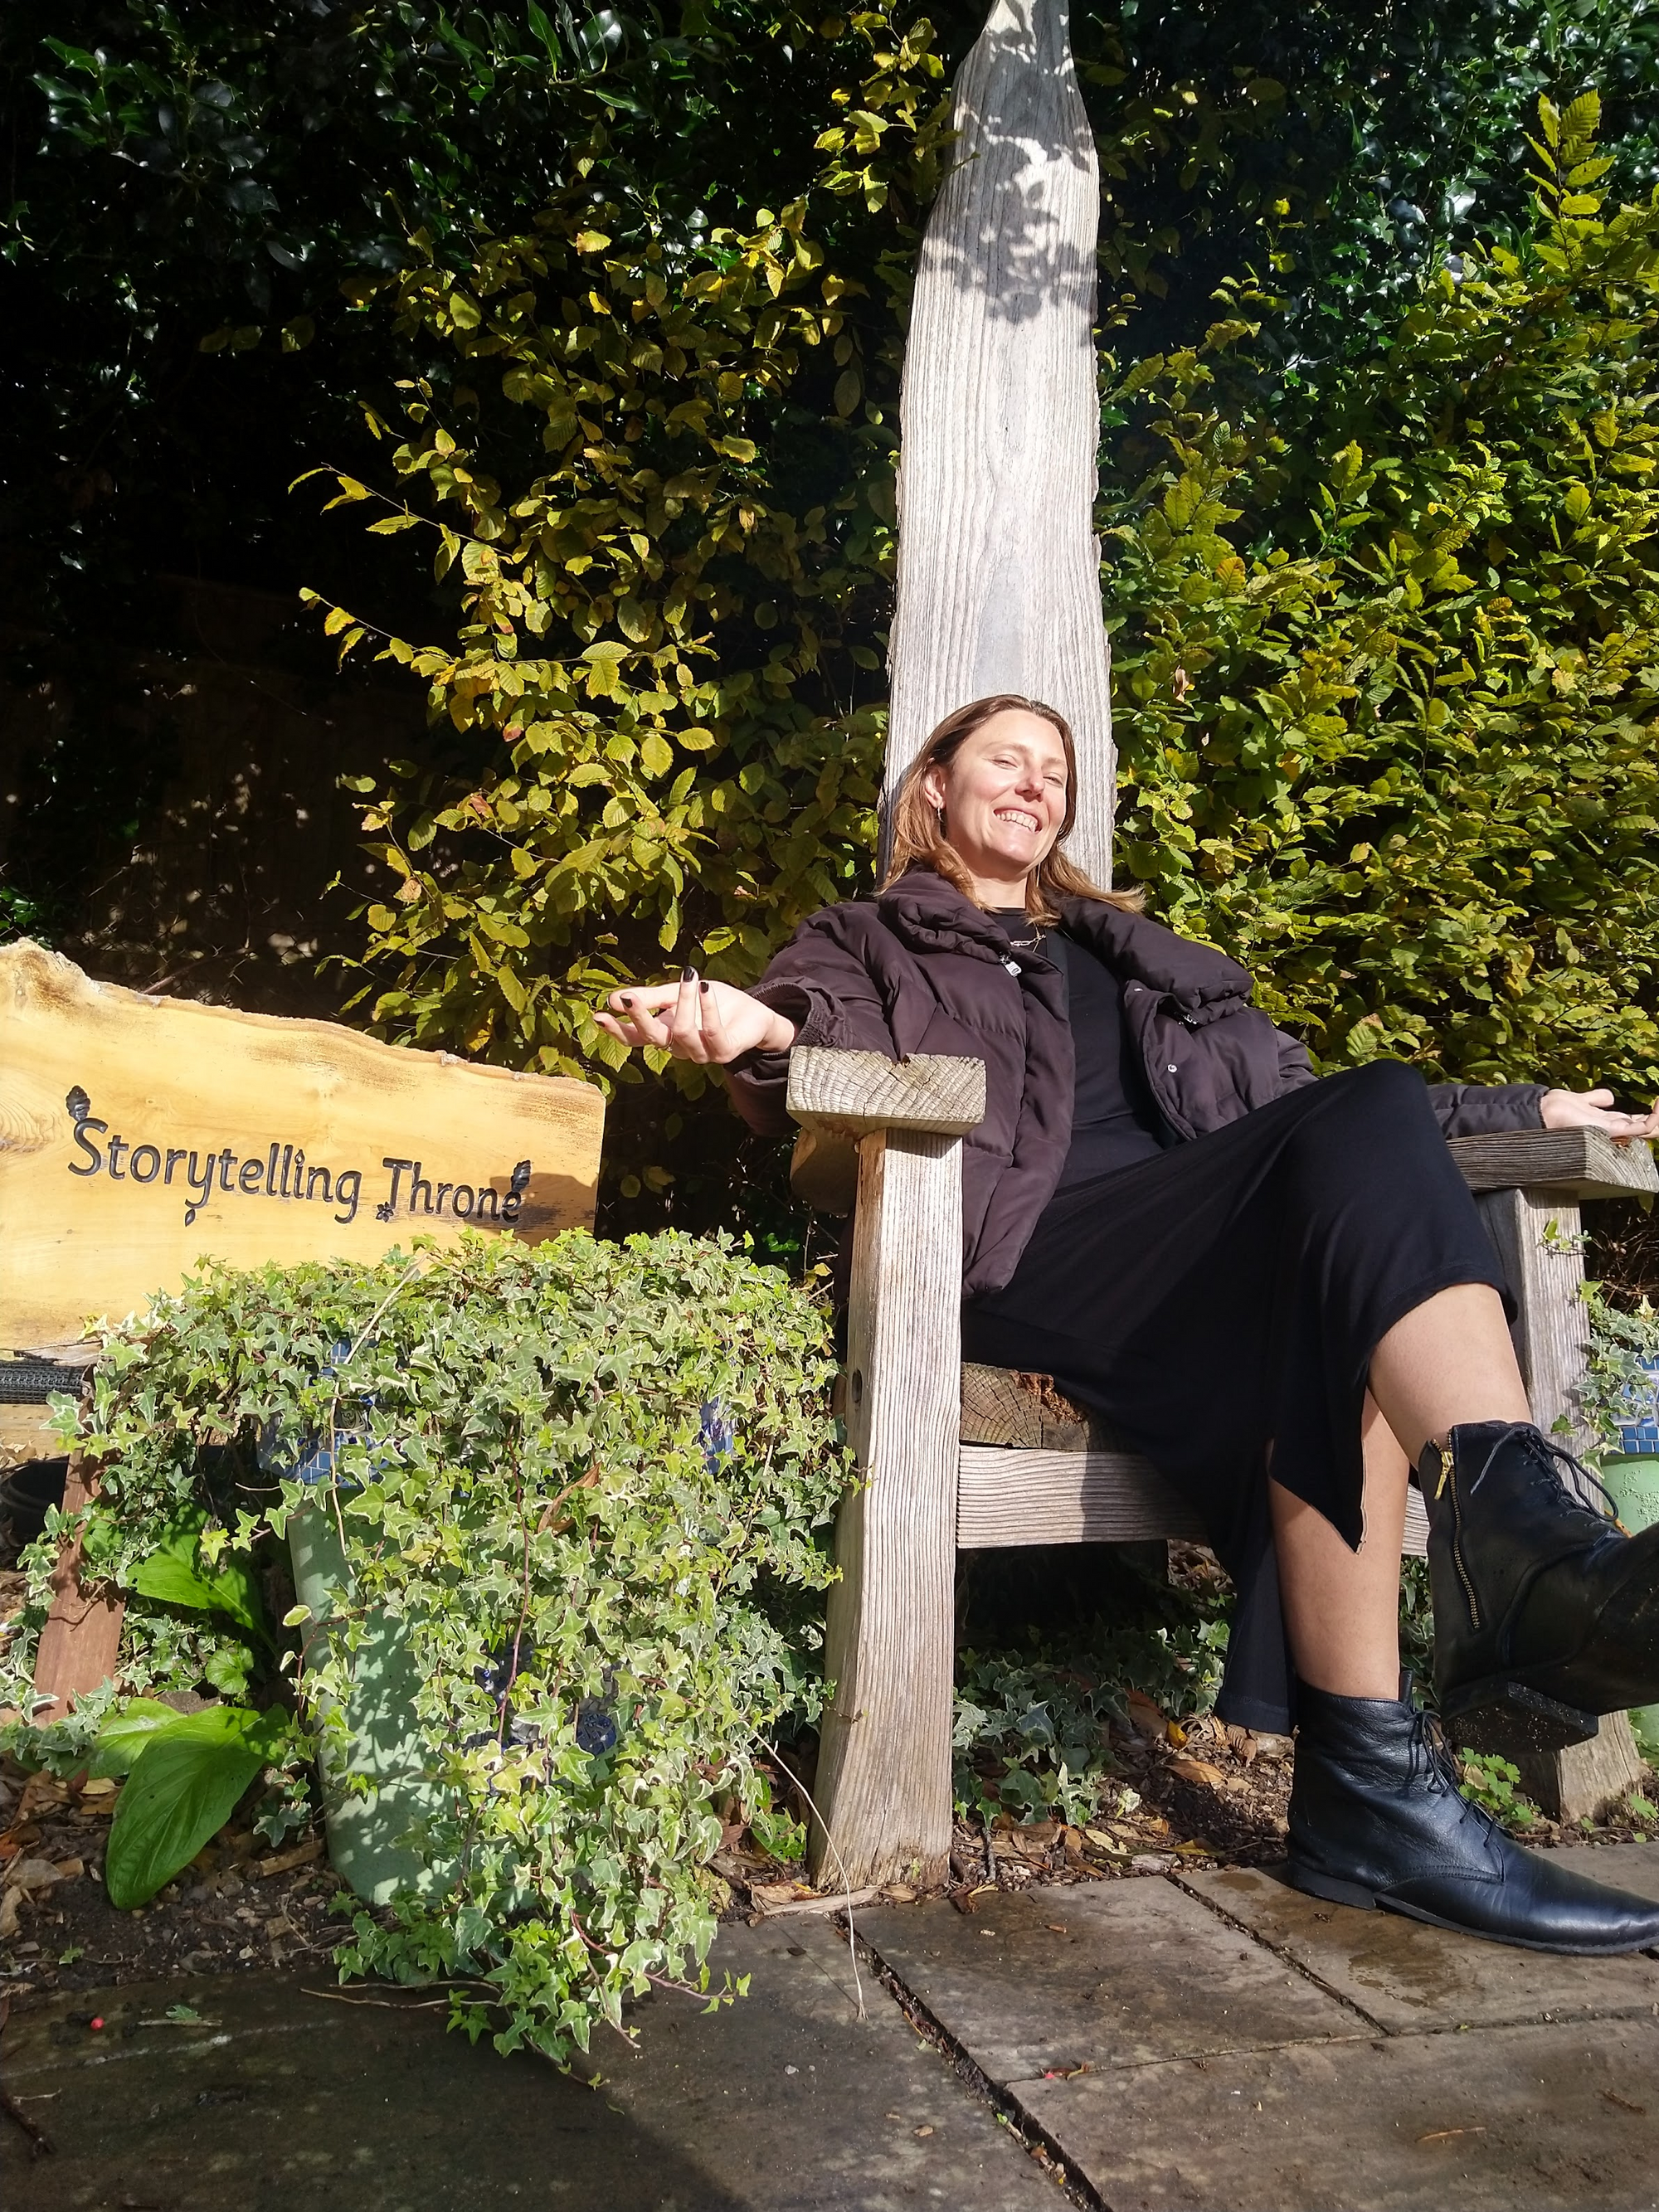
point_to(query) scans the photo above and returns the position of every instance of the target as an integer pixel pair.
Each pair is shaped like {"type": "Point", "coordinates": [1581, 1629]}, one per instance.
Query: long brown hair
{"type": "Point", "coordinates": [920, 841]}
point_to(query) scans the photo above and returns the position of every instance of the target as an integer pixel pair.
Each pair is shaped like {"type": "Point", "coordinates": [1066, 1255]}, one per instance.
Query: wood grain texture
{"type": "Point", "coordinates": [88, 1229]}
{"type": "Point", "coordinates": [1024, 1497]}
{"type": "Point", "coordinates": [883, 1777]}
{"type": "Point", "coordinates": [1010, 1495]}
{"type": "Point", "coordinates": [82, 1634]}
{"type": "Point", "coordinates": [849, 1093]}
{"type": "Point", "coordinates": [1580, 1782]}
{"type": "Point", "coordinates": [823, 1170]}
{"type": "Point", "coordinates": [1570, 1163]}
{"type": "Point", "coordinates": [1001, 1406]}
{"type": "Point", "coordinates": [1539, 1239]}
{"type": "Point", "coordinates": [999, 569]}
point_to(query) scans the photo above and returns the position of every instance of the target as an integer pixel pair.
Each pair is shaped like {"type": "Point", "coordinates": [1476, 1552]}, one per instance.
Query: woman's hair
{"type": "Point", "coordinates": [918, 835]}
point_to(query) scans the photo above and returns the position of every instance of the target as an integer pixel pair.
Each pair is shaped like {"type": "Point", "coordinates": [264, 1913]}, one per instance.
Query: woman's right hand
{"type": "Point", "coordinates": [696, 1020]}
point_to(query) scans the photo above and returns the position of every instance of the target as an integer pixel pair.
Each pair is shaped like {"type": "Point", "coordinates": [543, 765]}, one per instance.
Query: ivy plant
{"type": "Point", "coordinates": [1618, 1395]}
{"type": "Point", "coordinates": [589, 1483]}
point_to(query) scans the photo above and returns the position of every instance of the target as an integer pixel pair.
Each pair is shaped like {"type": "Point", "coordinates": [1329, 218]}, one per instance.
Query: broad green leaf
{"type": "Point", "coordinates": [181, 1793]}
{"type": "Point", "coordinates": [125, 1735]}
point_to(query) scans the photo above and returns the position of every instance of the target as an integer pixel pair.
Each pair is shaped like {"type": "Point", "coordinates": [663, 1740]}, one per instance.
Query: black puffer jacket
{"type": "Point", "coordinates": [923, 970]}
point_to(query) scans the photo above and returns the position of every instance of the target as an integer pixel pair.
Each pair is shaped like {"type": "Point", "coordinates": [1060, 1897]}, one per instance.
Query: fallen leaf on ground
{"type": "Point", "coordinates": [35, 1873]}
{"type": "Point", "coordinates": [899, 1893]}
{"type": "Point", "coordinates": [42, 1793]}
{"type": "Point", "coordinates": [1144, 1716]}
{"type": "Point", "coordinates": [772, 1893]}
{"type": "Point", "coordinates": [1198, 1770]}
{"type": "Point", "coordinates": [284, 1862]}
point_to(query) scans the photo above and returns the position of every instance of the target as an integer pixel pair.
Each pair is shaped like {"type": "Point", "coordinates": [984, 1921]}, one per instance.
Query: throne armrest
{"type": "Point", "coordinates": [839, 1096]}
{"type": "Point", "coordinates": [1568, 1164]}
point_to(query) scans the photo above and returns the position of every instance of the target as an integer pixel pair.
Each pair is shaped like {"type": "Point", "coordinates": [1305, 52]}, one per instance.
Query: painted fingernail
{"type": "Point", "coordinates": [624, 1000]}
{"type": "Point", "coordinates": [688, 975]}
{"type": "Point", "coordinates": [703, 987]}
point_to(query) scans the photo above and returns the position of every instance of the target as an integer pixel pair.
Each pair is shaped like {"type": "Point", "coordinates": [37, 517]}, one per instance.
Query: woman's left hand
{"type": "Point", "coordinates": [1594, 1110]}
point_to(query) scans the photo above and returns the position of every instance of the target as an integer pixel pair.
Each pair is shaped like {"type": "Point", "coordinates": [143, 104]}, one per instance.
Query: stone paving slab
{"type": "Point", "coordinates": [1405, 1976]}
{"type": "Point", "coordinates": [1528, 2119]}
{"type": "Point", "coordinates": [785, 2102]}
{"type": "Point", "coordinates": [1120, 1974]}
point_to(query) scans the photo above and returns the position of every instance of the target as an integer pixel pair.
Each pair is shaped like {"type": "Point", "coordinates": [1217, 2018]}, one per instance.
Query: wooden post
{"type": "Point", "coordinates": [82, 1637]}
{"type": "Point", "coordinates": [883, 1788]}
{"type": "Point", "coordinates": [998, 568]}
{"type": "Point", "coordinates": [1539, 1238]}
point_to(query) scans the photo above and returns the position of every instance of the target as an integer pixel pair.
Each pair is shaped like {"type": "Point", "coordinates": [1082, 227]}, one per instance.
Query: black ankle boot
{"type": "Point", "coordinates": [1378, 1819]}
{"type": "Point", "coordinates": [1545, 1614]}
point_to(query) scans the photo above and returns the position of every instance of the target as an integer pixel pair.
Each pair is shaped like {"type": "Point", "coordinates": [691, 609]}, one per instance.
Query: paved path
{"type": "Point", "coordinates": [1224, 2042]}
{"type": "Point", "coordinates": [1215, 2043]}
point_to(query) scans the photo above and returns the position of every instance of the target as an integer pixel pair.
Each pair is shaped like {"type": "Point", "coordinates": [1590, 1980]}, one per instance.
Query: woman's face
{"type": "Point", "coordinates": [1004, 794]}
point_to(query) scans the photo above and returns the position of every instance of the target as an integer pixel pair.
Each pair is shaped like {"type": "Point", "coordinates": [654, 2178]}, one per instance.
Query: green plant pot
{"type": "Point", "coordinates": [1633, 1486]}
{"type": "Point", "coordinates": [375, 1795]}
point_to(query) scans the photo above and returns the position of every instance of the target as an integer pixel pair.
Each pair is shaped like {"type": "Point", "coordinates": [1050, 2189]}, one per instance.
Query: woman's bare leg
{"type": "Point", "coordinates": [1342, 1607]}
{"type": "Point", "coordinates": [1448, 1361]}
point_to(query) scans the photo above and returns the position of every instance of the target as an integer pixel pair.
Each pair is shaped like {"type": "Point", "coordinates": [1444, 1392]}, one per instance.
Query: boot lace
{"type": "Point", "coordinates": [1555, 1462]}
{"type": "Point", "coordinates": [1432, 1761]}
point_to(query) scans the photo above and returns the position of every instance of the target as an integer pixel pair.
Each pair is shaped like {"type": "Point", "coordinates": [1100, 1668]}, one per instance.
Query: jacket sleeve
{"type": "Point", "coordinates": [1472, 1110]}
{"type": "Point", "coordinates": [1462, 1109]}
{"type": "Point", "coordinates": [821, 985]}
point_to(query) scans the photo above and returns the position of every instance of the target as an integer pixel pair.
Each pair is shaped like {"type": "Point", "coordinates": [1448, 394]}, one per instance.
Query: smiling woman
{"type": "Point", "coordinates": [1275, 1288]}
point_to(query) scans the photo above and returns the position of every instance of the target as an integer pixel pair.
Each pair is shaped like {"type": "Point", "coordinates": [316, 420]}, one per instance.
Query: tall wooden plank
{"type": "Point", "coordinates": [883, 1778]}
{"type": "Point", "coordinates": [998, 568]}
{"type": "Point", "coordinates": [1540, 1240]}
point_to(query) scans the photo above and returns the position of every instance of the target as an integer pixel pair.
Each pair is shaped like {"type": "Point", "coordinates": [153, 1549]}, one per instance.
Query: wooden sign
{"type": "Point", "coordinates": [138, 1135]}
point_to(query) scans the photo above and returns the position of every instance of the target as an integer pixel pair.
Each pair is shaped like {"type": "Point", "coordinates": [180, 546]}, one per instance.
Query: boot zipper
{"type": "Point", "coordinates": [1446, 1477]}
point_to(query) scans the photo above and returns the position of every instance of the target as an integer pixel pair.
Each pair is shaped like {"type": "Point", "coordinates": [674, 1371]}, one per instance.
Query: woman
{"type": "Point", "coordinates": [1278, 1288]}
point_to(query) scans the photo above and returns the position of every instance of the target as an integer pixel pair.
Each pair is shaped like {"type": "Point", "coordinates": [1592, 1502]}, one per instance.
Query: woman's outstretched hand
{"type": "Point", "coordinates": [1594, 1110]}
{"type": "Point", "coordinates": [696, 1020]}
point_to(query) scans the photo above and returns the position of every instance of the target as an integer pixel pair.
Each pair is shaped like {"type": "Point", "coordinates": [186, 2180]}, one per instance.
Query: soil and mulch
{"type": "Point", "coordinates": [1193, 1795]}
{"type": "Point", "coordinates": [239, 1904]}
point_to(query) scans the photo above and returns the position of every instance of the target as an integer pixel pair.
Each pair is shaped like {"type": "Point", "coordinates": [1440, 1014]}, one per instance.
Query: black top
{"type": "Point", "coordinates": [1114, 1122]}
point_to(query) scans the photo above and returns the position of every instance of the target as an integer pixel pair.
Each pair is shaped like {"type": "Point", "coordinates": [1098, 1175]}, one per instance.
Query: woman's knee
{"type": "Point", "coordinates": [1382, 1089]}
{"type": "Point", "coordinates": [1381, 1109]}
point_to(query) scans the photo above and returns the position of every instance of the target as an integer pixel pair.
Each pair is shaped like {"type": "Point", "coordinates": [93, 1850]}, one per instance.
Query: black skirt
{"type": "Point", "coordinates": [1225, 1298]}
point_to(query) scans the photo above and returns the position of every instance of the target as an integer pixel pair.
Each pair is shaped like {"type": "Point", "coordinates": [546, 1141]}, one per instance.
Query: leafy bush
{"type": "Point", "coordinates": [583, 1479]}
{"type": "Point", "coordinates": [658, 461]}
{"type": "Point", "coordinates": [1387, 694]}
